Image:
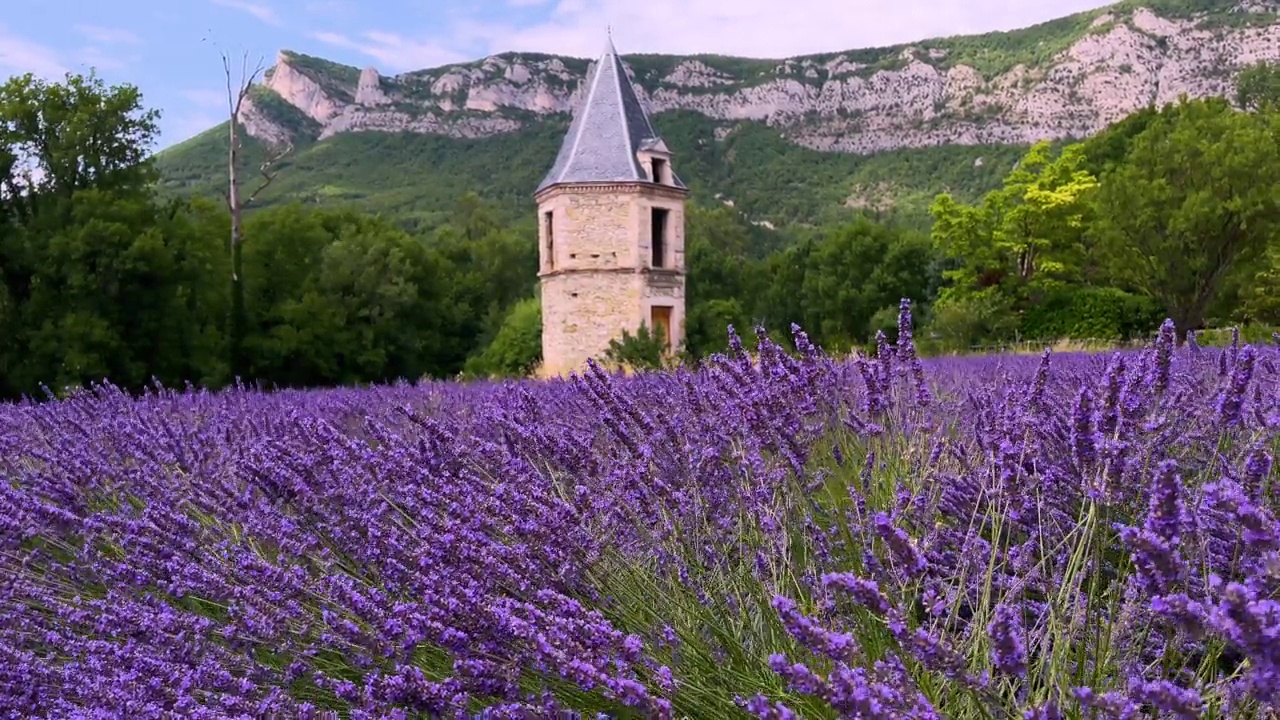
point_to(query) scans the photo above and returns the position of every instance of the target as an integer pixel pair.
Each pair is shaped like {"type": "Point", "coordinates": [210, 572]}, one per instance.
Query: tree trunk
{"type": "Point", "coordinates": [236, 320]}
{"type": "Point", "coordinates": [1187, 318]}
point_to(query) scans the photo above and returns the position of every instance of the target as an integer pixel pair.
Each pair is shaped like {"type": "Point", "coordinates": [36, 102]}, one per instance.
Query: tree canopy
{"type": "Point", "coordinates": [1197, 195]}
{"type": "Point", "coordinates": [1172, 211]}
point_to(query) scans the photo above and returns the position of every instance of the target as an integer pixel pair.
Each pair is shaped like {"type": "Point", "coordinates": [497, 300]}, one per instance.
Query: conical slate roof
{"type": "Point", "coordinates": [607, 129]}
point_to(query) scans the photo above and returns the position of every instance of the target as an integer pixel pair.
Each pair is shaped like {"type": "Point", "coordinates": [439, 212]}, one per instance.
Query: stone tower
{"type": "Point", "coordinates": [611, 227]}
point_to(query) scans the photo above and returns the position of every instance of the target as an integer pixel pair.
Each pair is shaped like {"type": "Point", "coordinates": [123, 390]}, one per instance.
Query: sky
{"type": "Point", "coordinates": [171, 50]}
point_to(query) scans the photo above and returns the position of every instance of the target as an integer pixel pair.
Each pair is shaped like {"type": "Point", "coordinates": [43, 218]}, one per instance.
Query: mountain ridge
{"type": "Point", "coordinates": [1065, 78]}
{"type": "Point", "coordinates": [1062, 79]}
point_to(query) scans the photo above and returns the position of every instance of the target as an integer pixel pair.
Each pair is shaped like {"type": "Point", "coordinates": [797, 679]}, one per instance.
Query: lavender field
{"type": "Point", "coordinates": [774, 536]}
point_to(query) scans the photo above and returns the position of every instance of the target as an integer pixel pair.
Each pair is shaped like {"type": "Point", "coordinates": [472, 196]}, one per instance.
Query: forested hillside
{"type": "Point", "coordinates": [415, 178]}
{"type": "Point", "coordinates": [1172, 212]}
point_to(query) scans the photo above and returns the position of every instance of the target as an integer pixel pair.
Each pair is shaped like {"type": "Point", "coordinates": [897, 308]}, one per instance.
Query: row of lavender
{"type": "Point", "coordinates": [778, 536]}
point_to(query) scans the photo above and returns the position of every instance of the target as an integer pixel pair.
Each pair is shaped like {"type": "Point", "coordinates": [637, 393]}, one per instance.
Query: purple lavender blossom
{"type": "Point", "coordinates": [907, 558]}
{"type": "Point", "coordinates": [449, 550]}
{"type": "Point", "coordinates": [1008, 651]}
{"type": "Point", "coordinates": [1084, 441]}
{"type": "Point", "coordinates": [1231, 403]}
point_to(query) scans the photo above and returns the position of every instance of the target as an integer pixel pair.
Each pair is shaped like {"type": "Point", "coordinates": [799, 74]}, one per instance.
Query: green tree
{"type": "Point", "coordinates": [489, 268]}
{"type": "Point", "coordinates": [1025, 237]}
{"type": "Point", "coordinates": [473, 218]}
{"type": "Point", "coordinates": [517, 347]}
{"type": "Point", "coordinates": [98, 281]}
{"type": "Point", "coordinates": [855, 271]}
{"type": "Point", "coordinates": [58, 138]}
{"type": "Point", "coordinates": [722, 277]}
{"type": "Point", "coordinates": [965, 322]}
{"type": "Point", "coordinates": [1259, 298]}
{"type": "Point", "coordinates": [1108, 148]}
{"type": "Point", "coordinates": [1258, 86]}
{"type": "Point", "coordinates": [340, 298]}
{"type": "Point", "coordinates": [125, 292]}
{"type": "Point", "coordinates": [284, 254]}
{"type": "Point", "coordinates": [1197, 194]}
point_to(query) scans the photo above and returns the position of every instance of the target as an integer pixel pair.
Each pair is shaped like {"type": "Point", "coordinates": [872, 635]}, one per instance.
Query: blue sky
{"type": "Point", "coordinates": [171, 49]}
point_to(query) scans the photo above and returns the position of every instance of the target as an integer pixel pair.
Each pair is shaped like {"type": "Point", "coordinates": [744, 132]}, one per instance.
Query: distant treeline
{"type": "Point", "coordinates": [1171, 212]}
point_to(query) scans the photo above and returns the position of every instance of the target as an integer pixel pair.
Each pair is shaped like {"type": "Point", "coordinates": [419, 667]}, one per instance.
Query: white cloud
{"type": "Point", "coordinates": [750, 28]}
{"type": "Point", "coordinates": [19, 56]}
{"type": "Point", "coordinates": [261, 11]}
{"type": "Point", "coordinates": [108, 36]}
{"type": "Point", "coordinates": [394, 52]}
{"type": "Point", "coordinates": [206, 98]}
{"type": "Point", "coordinates": [185, 126]}
{"type": "Point", "coordinates": [101, 60]}
{"type": "Point", "coordinates": [203, 108]}
{"type": "Point", "coordinates": [761, 28]}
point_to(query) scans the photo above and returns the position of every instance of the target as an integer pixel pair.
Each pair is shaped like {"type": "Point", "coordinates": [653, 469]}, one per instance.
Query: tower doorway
{"type": "Point", "coordinates": [660, 323]}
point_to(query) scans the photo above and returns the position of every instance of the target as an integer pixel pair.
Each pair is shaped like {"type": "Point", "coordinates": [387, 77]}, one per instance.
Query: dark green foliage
{"type": "Point", "coordinates": [964, 323]}
{"type": "Point", "coordinates": [723, 272]}
{"type": "Point", "coordinates": [516, 349]}
{"type": "Point", "coordinates": [845, 278]}
{"type": "Point", "coordinates": [98, 279]}
{"type": "Point", "coordinates": [643, 350]}
{"type": "Point", "coordinates": [1104, 151]}
{"type": "Point", "coordinates": [1197, 195]}
{"type": "Point", "coordinates": [339, 297]}
{"type": "Point", "coordinates": [1258, 86]}
{"type": "Point", "coordinates": [832, 282]}
{"type": "Point", "coordinates": [1091, 314]}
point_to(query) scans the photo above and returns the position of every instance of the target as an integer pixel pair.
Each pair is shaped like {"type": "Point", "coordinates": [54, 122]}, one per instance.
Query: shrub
{"type": "Point", "coordinates": [642, 351]}
{"type": "Point", "coordinates": [1090, 314]}
{"type": "Point", "coordinates": [517, 346]}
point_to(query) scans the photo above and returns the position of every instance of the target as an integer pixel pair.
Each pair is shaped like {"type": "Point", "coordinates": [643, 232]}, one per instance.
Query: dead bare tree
{"type": "Point", "coordinates": [236, 204]}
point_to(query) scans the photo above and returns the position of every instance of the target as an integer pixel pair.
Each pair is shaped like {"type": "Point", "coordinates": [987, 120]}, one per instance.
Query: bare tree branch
{"type": "Point", "coordinates": [235, 104]}
{"type": "Point", "coordinates": [267, 173]}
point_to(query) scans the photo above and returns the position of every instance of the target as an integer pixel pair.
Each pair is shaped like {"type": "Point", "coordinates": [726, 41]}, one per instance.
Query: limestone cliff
{"type": "Point", "coordinates": [1066, 78]}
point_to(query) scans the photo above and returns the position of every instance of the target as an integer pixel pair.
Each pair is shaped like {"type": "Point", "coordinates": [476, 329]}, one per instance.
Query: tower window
{"type": "Point", "coordinates": [549, 231]}
{"type": "Point", "coordinates": [658, 239]}
{"type": "Point", "coordinates": [659, 170]}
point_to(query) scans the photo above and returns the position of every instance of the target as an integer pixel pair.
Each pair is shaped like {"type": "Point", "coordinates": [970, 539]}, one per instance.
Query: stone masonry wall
{"type": "Point", "coordinates": [582, 312]}
{"type": "Point", "coordinates": [592, 231]}
{"type": "Point", "coordinates": [599, 282]}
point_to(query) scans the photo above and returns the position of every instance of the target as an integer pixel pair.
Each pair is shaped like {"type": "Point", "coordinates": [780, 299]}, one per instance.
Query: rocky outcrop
{"type": "Point", "coordinates": [258, 124]}
{"type": "Point", "coordinates": [302, 91]}
{"type": "Point", "coordinates": [369, 88]}
{"type": "Point", "coordinates": [911, 96]}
